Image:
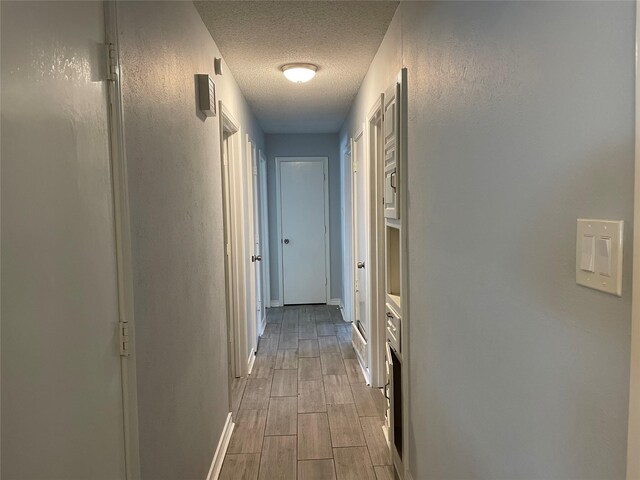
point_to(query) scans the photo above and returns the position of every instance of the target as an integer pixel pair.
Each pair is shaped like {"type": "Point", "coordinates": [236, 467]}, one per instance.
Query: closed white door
{"type": "Point", "coordinates": [303, 204]}
{"type": "Point", "coordinates": [360, 237]}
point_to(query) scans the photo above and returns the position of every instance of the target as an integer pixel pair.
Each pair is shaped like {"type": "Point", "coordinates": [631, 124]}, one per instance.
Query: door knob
{"type": "Point", "coordinates": [286, 241]}
{"type": "Point", "coordinates": [360, 264]}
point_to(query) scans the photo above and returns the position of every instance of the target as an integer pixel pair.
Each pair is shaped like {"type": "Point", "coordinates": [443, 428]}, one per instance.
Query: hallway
{"type": "Point", "coordinates": [305, 407]}
{"type": "Point", "coordinates": [190, 189]}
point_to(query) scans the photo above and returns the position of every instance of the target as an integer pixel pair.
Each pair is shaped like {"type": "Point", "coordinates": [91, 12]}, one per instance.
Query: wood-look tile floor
{"type": "Point", "coordinates": [305, 411]}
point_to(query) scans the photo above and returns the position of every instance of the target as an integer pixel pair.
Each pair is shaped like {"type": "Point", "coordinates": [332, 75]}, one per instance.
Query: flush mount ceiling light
{"type": "Point", "coordinates": [299, 72]}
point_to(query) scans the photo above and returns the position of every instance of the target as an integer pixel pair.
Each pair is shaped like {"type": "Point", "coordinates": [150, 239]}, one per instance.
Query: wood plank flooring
{"type": "Point", "coordinates": [306, 412]}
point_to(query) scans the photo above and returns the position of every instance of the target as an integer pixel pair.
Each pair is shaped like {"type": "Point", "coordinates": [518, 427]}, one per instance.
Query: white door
{"type": "Point", "coordinates": [62, 404]}
{"type": "Point", "coordinates": [303, 206]}
{"type": "Point", "coordinates": [360, 211]}
{"type": "Point", "coordinates": [347, 233]}
{"type": "Point", "coordinates": [257, 241]}
{"type": "Point", "coordinates": [235, 363]}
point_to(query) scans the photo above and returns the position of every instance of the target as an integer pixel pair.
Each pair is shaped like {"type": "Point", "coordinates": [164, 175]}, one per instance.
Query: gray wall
{"type": "Point", "coordinates": [520, 121]}
{"type": "Point", "coordinates": [176, 216]}
{"type": "Point", "coordinates": [306, 145]}
{"type": "Point", "coordinates": [61, 389]}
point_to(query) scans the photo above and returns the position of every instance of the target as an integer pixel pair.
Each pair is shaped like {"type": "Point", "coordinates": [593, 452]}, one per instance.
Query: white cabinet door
{"type": "Point", "coordinates": [391, 121]}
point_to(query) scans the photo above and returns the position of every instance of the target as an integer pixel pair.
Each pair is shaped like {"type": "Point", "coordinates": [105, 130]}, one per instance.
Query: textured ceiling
{"type": "Point", "coordinates": [257, 37]}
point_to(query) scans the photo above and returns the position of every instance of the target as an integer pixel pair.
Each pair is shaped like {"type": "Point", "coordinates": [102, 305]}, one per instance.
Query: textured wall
{"type": "Point", "coordinates": [306, 145]}
{"type": "Point", "coordinates": [61, 389]}
{"type": "Point", "coordinates": [520, 121]}
{"type": "Point", "coordinates": [176, 215]}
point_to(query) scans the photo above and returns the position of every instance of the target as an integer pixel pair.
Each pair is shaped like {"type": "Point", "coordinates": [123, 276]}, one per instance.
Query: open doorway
{"type": "Point", "coordinates": [360, 251]}
{"type": "Point", "coordinates": [234, 285]}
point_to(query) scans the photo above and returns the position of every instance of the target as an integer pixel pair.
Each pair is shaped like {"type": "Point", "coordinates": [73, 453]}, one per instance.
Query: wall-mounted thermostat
{"type": "Point", "coordinates": [599, 255]}
{"type": "Point", "coordinates": [206, 95]}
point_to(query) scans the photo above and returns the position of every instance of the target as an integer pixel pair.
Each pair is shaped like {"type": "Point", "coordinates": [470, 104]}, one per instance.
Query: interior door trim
{"type": "Point", "coordinates": [633, 436]}
{"type": "Point", "coordinates": [124, 261]}
{"type": "Point", "coordinates": [327, 234]}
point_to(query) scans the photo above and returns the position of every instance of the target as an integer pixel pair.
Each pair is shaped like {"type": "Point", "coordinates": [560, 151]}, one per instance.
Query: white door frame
{"type": "Point", "coordinates": [347, 232]}
{"type": "Point", "coordinates": [633, 444]}
{"type": "Point", "coordinates": [325, 163]}
{"type": "Point", "coordinates": [234, 237]}
{"type": "Point", "coordinates": [250, 252]}
{"type": "Point", "coordinates": [264, 205]}
{"type": "Point", "coordinates": [376, 241]}
{"type": "Point", "coordinates": [123, 250]}
{"type": "Point", "coordinates": [403, 182]}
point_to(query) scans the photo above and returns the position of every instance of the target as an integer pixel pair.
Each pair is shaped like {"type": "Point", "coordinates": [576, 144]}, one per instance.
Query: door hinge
{"type": "Point", "coordinates": [112, 62]}
{"type": "Point", "coordinates": [123, 329]}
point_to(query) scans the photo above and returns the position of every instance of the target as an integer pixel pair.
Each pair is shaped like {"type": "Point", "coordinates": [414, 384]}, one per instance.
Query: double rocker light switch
{"type": "Point", "coordinates": [599, 255]}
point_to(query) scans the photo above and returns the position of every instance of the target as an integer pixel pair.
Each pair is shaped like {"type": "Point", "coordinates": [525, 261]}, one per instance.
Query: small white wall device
{"type": "Point", "coordinates": [599, 255]}
{"type": "Point", "coordinates": [206, 95]}
{"type": "Point", "coordinates": [217, 66]}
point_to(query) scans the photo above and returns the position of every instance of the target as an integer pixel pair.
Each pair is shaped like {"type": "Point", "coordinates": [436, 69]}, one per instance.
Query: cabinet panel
{"type": "Point", "coordinates": [391, 171]}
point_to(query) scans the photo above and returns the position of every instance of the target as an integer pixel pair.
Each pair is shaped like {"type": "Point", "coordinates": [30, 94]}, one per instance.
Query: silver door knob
{"type": "Point", "coordinates": [360, 264]}
{"type": "Point", "coordinates": [286, 241]}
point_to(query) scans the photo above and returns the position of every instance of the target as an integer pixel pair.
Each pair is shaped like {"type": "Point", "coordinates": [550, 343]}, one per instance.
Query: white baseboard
{"type": "Point", "coordinates": [276, 303]}
{"type": "Point", "coordinates": [338, 302]}
{"type": "Point", "coordinates": [221, 450]}
{"type": "Point", "coordinates": [251, 361]}
{"type": "Point", "coordinates": [262, 325]}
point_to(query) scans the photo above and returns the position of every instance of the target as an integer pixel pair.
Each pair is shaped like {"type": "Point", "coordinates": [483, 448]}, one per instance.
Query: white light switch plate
{"type": "Point", "coordinates": [599, 262]}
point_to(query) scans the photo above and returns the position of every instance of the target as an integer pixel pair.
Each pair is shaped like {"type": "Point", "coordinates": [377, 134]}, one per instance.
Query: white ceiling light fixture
{"type": "Point", "coordinates": [299, 72]}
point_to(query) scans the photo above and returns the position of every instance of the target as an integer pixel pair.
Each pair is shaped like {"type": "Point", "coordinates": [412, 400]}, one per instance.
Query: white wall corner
{"type": "Point", "coordinates": [276, 303]}
{"type": "Point", "coordinates": [251, 361]}
{"type": "Point", "coordinates": [221, 450]}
